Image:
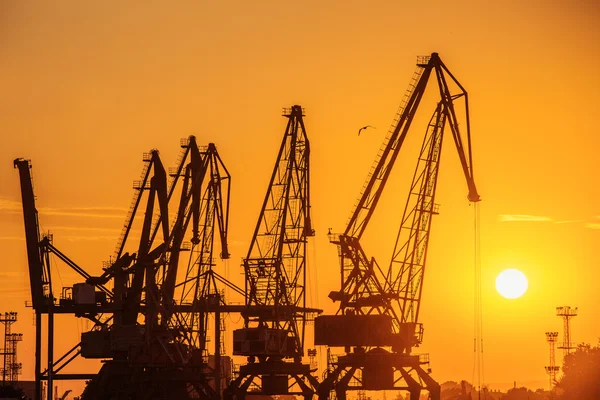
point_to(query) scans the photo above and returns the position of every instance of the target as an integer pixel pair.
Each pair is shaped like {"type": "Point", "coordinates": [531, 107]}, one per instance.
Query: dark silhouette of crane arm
{"type": "Point", "coordinates": [384, 163]}
{"type": "Point", "coordinates": [448, 99]}
{"type": "Point", "coordinates": [188, 209]}
{"type": "Point", "coordinates": [37, 269]}
{"type": "Point", "coordinates": [391, 302]}
{"type": "Point", "coordinates": [355, 290]}
{"type": "Point", "coordinates": [145, 263]}
{"type": "Point", "coordinates": [204, 170]}
{"type": "Point", "coordinates": [222, 208]}
{"type": "Point", "coordinates": [407, 266]}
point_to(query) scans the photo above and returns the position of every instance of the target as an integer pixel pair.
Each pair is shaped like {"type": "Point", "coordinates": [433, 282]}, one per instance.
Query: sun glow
{"type": "Point", "coordinates": [511, 283]}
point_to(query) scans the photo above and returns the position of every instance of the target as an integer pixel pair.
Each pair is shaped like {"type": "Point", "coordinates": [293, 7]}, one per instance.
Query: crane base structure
{"type": "Point", "coordinates": [377, 372]}
{"type": "Point", "coordinates": [275, 377]}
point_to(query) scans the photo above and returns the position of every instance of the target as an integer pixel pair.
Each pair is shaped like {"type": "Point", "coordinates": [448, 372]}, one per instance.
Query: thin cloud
{"type": "Point", "coordinates": [84, 229]}
{"type": "Point", "coordinates": [14, 283]}
{"type": "Point", "coordinates": [12, 238]}
{"type": "Point", "coordinates": [237, 243]}
{"type": "Point", "coordinates": [10, 205]}
{"type": "Point", "coordinates": [88, 238]}
{"type": "Point", "coordinates": [9, 275]}
{"type": "Point", "coordinates": [13, 290]}
{"type": "Point", "coordinates": [570, 221]}
{"type": "Point", "coordinates": [75, 213]}
{"type": "Point", "coordinates": [116, 209]}
{"type": "Point", "coordinates": [523, 218]}
{"type": "Point", "coordinates": [592, 225]}
{"type": "Point", "coordinates": [85, 234]}
{"type": "Point", "coordinates": [15, 207]}
{"type": "Point", "coordinates": [76, 238]}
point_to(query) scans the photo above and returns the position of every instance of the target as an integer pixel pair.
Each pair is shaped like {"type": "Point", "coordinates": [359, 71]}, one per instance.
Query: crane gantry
{"type": "Point", "coordinates": [381, 307]}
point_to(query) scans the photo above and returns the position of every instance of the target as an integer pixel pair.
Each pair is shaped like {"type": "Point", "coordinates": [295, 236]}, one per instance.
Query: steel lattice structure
{"type": "Point", "coordinates": [202, 283]}
{"type": "Point", "coordinates": [275, 265]}
{"type": "Point", "coordinates": [11, 368]}
{"type": "Point", "coordinates": [552, 369]}
{"type": "Point", "coordinates": [275, 271]}
{"type": "Point", "coordinates": [151, 326]}
{"type": "Point", "coordinates": [566, 313]}
{"type": "Point", "coordinates": [387, 302]}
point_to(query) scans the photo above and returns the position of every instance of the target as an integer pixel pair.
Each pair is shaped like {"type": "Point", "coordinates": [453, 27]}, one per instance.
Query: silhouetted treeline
{"type": "Point", "coordinates": [580, 381]}
{"type": "Point", "coordinates": [581, 374]}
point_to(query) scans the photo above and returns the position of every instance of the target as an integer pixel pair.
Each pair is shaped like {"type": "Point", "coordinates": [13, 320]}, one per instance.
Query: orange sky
{"type": "Point", "coordinates": [88, 88]}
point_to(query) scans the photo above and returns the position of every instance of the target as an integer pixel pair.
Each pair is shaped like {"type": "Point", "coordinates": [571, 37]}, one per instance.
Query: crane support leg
{"type": "Point", "coordinates": [218, 372]}
{"type": "Point", "coordinates": [414, 388]}
{"type": "Point", "coordinates": [432, 386]}
{"type": "Point", "coordinates": [38, 356]}
{"type": "Point", "coordinates": [342, 385]}
{"type": "Point", "coordinates": [328, 383]}
{"type": "Point", "coordinates": [50, 353]}
{"type": "Point", "coordinates": [307, 392]}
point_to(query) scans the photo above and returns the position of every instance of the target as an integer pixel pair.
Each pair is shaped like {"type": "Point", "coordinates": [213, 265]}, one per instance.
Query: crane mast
{"type": "Point", "coordinates": [275, 271]}
{"type": "Point", "coordinates": [144, 266]}
{"type": "Point", "coordinates": [275, 264]}
{"type": "Point", "coordinates": [381, 306]}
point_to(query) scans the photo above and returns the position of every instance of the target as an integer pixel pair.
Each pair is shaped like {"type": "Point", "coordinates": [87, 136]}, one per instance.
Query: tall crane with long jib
{"type": "Point", "coordinates": [378, 318]}
{"type": "Point", "coordinates": [275, 270]}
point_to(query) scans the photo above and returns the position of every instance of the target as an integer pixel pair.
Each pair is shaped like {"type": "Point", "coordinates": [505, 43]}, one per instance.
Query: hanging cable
{"type": "Point", "coordinates": [315, 280]}
{"type": "Point", "coordinates": [308, 276]}
{"type": "Point", "coordinates": [314, 272]}
{"type": "Point", "coordinates": [478, 260]}
{"type": "Point", "coordinates": [227, 278]}
{"type": "Point", "coordinates": [478, 376]}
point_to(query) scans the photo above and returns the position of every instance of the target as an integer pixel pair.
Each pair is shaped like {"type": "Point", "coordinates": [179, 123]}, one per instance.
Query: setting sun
{"type": "Point", "coordinates": [511, 283]}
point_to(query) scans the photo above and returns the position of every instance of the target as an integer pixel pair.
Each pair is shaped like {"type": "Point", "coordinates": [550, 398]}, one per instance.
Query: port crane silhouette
{"type": "Point", "coordinates": [150, 317]}
{"type": "Point", "coordinates": [272, 338]}
{"type": "Point", "coordinates": [377, 322]}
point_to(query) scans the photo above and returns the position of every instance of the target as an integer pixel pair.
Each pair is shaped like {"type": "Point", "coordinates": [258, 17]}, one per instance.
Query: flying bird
{"type": "Point", "coordinates": [365, 127]}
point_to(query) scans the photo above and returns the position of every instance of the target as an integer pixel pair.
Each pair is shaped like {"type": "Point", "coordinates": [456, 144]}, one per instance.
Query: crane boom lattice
{"type": "Point", "coordinates": [381, 307]}
{"type": "Point", "coordinates": [275, 272]}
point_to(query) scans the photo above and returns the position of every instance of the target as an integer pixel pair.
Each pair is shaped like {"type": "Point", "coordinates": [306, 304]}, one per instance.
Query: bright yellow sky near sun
{"type": "Point", "coordinates": [87, 88]}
